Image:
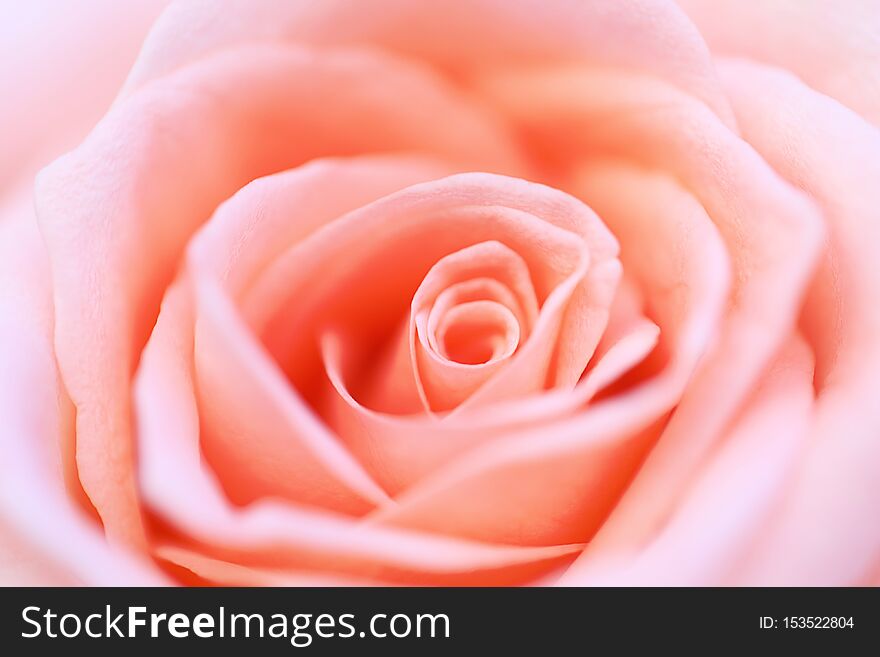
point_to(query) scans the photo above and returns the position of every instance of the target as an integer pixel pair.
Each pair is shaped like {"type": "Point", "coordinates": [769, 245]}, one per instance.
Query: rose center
{"type": "Point", "coordinates": [477, 332]}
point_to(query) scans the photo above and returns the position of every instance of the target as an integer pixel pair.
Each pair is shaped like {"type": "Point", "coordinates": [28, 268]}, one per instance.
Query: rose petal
{"type": "Point", "coordinates": [371, 281]}
{"type": "Point", "coordinates": [60, 66]}
{"type": "Point", "coordinates": [734, 499]}
{"type": "Point", "coordinates": [45, 537]}
{"type": "Point", "coordinates": [834, 49]}
{"type": "Point", "coordinates": [821, 535]}
{"type": "Point", "coordinates": [649, 35]}
{"type": "Point", "coordinates": [258, 435]}
{"type": "Point", "coordinates": [384, 442]}
{"type": "Point", "coordinates": [226, 573]}
{"type": "Point", "coordinates": [446, 384]}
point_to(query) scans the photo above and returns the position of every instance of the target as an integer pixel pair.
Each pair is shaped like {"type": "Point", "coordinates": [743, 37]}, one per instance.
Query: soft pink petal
{"type": "Point", "coordinates": [258, 434]}
{"type": "Point", "coordinates": [832, 46]}
{"type": "Point", "coordinates": [826, 533]}
{"type": "Point", "coordinates": [733, 501]}
{"type": "Point", "coordinates": [46, 538]}
{"type": "Point", "coordinates": [385, 442]}
{"type": "Point", "coordinates": [344, 276]}
{"type": "Point", "coordinates": [648, 35]}
{"type": "Point", "coordinates": [225, 573]}
{"type": "Point", "coordinates": [60, 66]}
{"type": "Point", "coordinates": [455, 280]}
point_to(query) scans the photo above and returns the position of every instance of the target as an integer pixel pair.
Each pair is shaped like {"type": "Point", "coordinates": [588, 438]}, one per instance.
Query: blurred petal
{"type": "Point", "coordinates": [45, 538]}
{"type": "Point", "coordinates": [822, 535]}
{"type": "Point", "coordinates": [832, 46]}
{"type": "Point", "coordinates": [653, 36]}
{"type": "Point", "coordinates": [61, 64]}
{"type": "Point", "coordinates": [735, 497]}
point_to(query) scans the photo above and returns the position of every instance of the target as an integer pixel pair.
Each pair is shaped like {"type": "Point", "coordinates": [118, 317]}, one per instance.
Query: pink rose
{"type": "Point", "coordinates": [480, 292]}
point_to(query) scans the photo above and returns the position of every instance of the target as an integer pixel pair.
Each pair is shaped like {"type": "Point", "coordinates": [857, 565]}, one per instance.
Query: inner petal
{"type": "Point", "coordinates": [564, 252]}
{"type": "Point", "coordinates": [477, 333]}
{"type": "Point", "coordinates": [479, 289]}
{"type": "Point", "coordinates": [470, 312]}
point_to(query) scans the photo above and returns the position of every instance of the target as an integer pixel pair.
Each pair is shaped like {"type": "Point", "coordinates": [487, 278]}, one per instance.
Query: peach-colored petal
{"type": "Point", "coordinates": [254, 227]}
{"type": "Point", "coordinates": [60, 76]}
{"type": "Point", "coordinates": [733, 500]}
{"type": "Point", "coordinates": [822, 535]}
{"type": "Point", "coordinates": [176, 484]}
{"type": "Point", "coordinates": [60, 66]}
{"type": "Point", "coordinates": [557, 480]}
{"type": "Point", "coordinates": [257, 433]}
{"type": "Point", "coordinates": [453, 282]}
{"type": "Point", "coordinates": [338, 277]}
{"type": "Point", "coordinates": [252, 450]}
{"type": "Point", "coordinates": [116, 212]}
{"type": "Point", "coordinates": [474, 337]}
{"type": "Point", "coordinates": [45, 537]}
{"type": "Point", "coordinates": [835, 48]}
{"type": "Point", "coordinates": [534, 365]}
{"type": "Point", "coordinates": [756, 211]}
{"type": "Point", "coordinates": [649, 35]}
{"type": "Point", "coordinates": [401, 450]}
{"type": "Point", "coordinates": [225, 573]}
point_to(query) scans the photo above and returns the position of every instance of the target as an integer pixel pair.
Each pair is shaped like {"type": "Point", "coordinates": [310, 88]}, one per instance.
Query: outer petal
{"type": "Point", "coordinates": [832, 46]}
{"type": "Point", "coordinates": [45, 537]}
{"type": "Point", "coordinates": [647, 35]}
{"type": "Point", "coordinates": [60, 66]}
{"type": "Point", "coordinates": [733, 500]}
{"type": "Point", "coordinates": [827, 531]}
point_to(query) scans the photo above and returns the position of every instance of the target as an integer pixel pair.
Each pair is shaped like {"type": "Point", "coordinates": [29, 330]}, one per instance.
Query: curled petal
{"type": "Point", "coordinates": [257, 433]}
{"type": "Point", "coordinates": [556, 236]}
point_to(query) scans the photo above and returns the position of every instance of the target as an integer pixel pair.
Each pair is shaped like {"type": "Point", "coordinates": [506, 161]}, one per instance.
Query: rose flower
{"type": "Point", "coordinates": [456, 293]}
